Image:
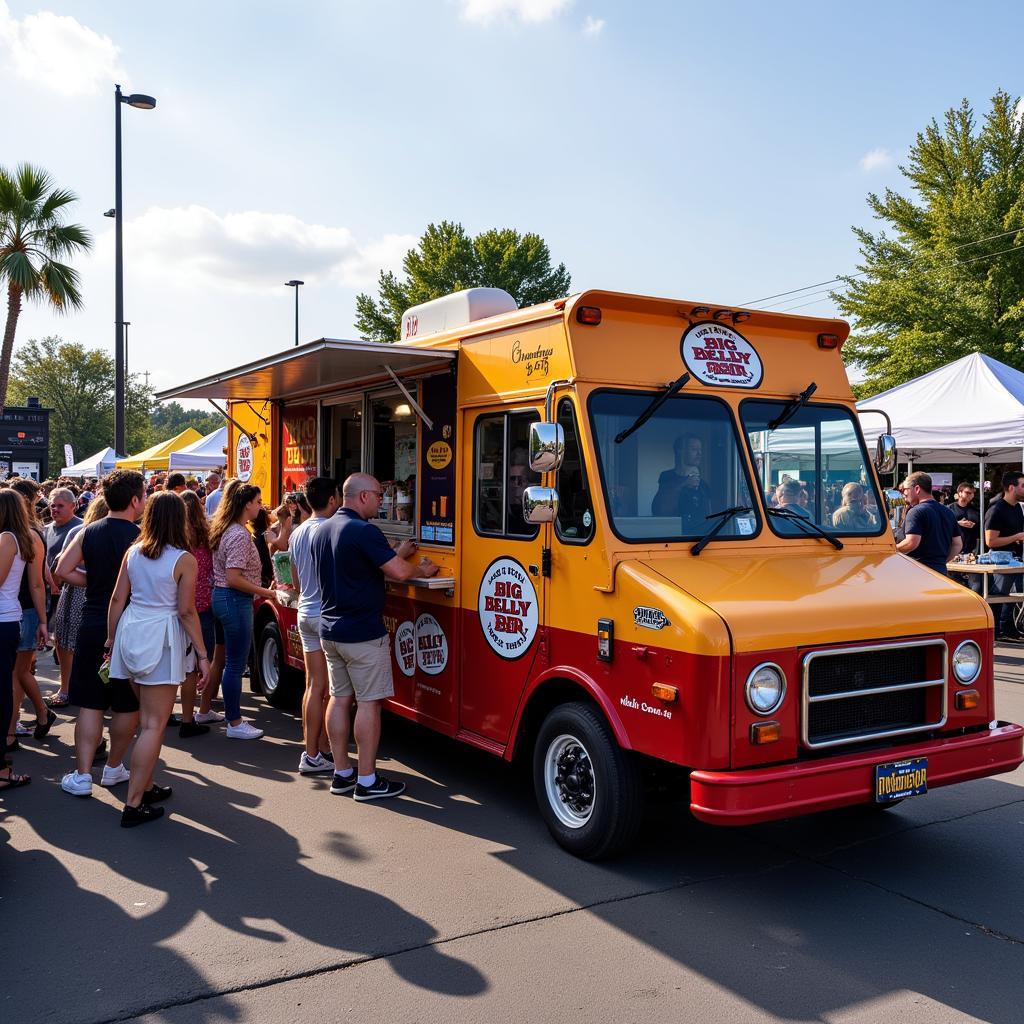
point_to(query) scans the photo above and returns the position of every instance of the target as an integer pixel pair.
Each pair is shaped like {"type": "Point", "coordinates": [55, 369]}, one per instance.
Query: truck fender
{"type": "Point", "coordinates": [567, 674]}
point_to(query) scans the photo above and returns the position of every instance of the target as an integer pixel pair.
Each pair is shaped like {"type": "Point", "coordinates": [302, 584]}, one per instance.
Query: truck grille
{"type": "Point", "coordinates": [854, 694]}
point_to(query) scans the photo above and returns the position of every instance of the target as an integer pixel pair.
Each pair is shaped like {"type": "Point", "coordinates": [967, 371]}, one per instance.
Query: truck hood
{"type": "Point", "coordinates": [793, 599]}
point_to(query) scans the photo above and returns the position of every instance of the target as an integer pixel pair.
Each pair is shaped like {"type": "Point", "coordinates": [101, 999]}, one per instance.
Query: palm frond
{"type": "Point", "coordinates": [16, 267]}
{"type": "Point", "coordinates": [33, 182]}
{"type": "Point", "coordinates": [65, 239]}
{"type": "Point", "coordinates": [60, 284]}
{"type": "Point", "coordinates": [55, 201]}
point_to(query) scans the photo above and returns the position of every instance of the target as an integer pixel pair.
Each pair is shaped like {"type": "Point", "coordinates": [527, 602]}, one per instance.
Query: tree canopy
{"type": "Point", "coordinates": [34, 239]}
{"type": "Point", "coordinates": [447, 260]}
{"type": "Point", "coordinates": [172, 418]}
{"type": "Point", "coordinates": [944, 277]}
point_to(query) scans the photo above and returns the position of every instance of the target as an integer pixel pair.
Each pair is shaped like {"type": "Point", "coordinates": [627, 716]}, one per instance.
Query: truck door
{"type": "Point", "coordinates": [503, 590]}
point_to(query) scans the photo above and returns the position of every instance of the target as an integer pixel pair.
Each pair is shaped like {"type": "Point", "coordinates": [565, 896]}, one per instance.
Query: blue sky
{"type": "Point", "coordinates": [707, 152]}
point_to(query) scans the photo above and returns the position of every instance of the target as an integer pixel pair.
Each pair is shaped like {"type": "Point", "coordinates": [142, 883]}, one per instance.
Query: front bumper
{"type": "Point", "coordinates": [786, 791]}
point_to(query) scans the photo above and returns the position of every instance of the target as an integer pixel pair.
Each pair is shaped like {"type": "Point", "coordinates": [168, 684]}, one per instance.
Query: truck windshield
{"type": "Point", "coordinates": [664, 480]}
{"type": "Point", "coordinates": [813, 465]}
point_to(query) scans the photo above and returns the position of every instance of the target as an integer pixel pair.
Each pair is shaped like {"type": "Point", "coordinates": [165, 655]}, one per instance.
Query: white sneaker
{"type": "Point", "coordinates": [244, 731]}
{"type": "Point", "coordinates": [22, 730]}
{"type": "Point", "coordinates": [205, 717]}
{"type": "Point", "coordinates": [318, 765]}
{"type": "Point", "coordinates": [112, 776]}
{"type": "Point", "coordinates": [76, 784]}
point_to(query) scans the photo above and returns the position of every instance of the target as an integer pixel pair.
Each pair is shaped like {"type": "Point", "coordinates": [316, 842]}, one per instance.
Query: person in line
{"type": "Point", "coordinates": [100, 547]}
{"type": "Point", "coordinates": [199, 547]}
{"type": "Point", "coordinates": [176, 482]}
{"type": "Point", "coordinates": [261, 535]}
{"type": "Point", "coordinates": [969, 522]}
{"type": "Point", "coordinates": [17, 549]}
{"type": "Point", "coordinates": [34, 633]}
{"type": "Point", "coordinates": [352, 560]}
{"type": "Point", "coordinates": [853, 514]}
{"type": "Point", "coordinates": [147, 639]}
{"type": "Point", "coordinates": [681, 491]}
{"type": "Point", "coordinates": [322, 494]}
{"type": "Point", "coordinates": [930, 533]}
{"type": "Point", "coordinates": [787, 497]}
{"type": "Point", "coordinates": [213, 493]}
{"type": "Point", "coordinates": [62, 521]}
{"type": "Point", "coordinates": [236, 580]}
{"type": "Point", "coordinates": [1004, 531]}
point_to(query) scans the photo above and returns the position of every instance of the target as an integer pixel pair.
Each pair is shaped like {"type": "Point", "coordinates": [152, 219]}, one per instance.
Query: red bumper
{"type": "Point", "coordinates": [786, 791]}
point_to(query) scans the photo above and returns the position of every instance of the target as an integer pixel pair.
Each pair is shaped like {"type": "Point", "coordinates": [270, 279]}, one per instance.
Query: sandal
{"type": "Point", "coordinates": [58, 700]}
{"type": "Point", "coordinates": [13, 781]}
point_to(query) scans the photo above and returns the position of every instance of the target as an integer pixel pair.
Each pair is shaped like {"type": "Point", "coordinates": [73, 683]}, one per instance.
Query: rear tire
{"type": "Point", "coordinates": [588, 788]}
{"type": "Point", "coordinates": [279, 683]}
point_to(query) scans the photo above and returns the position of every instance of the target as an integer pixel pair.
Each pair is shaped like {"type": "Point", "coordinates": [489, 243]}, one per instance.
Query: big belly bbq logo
{"type": "Point", "coordinates": [508, 608]}
{"type": "Point", "coordinates": [719, 356]}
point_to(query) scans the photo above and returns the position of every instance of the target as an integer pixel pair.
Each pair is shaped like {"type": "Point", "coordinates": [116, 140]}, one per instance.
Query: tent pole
{"type": "Point", "coordinates": [981, 506]}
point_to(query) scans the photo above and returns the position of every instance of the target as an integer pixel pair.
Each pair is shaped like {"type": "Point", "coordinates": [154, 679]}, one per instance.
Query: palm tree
{"type": "Point", "coordinates": [33, 240]}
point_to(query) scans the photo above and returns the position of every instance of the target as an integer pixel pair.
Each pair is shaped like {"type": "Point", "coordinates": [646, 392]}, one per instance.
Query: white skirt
{"type": "Point", "coordinates": [149, 647]}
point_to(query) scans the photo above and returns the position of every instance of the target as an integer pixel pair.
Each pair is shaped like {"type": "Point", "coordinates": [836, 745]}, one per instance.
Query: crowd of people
{"type": "Point", "coordinates": [151, 595]}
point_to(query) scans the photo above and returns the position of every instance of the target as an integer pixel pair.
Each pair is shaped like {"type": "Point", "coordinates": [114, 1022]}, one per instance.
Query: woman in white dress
{"type": "Point", "coordinates": [149, 639]}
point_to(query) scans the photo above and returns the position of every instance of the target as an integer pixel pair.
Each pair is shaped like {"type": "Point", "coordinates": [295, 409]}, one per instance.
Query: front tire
{"type": "Point", "coordinates": [277, 681]}
{"type": "Point", "coordinates": [587, 787]}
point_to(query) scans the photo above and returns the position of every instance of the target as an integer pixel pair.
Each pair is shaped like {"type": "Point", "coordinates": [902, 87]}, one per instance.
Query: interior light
{"type": "Point", "coordinates": [403, 410]}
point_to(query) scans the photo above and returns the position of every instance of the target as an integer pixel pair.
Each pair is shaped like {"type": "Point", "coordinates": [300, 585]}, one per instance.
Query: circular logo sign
{"type": "Point", "coordinates": [508, 608]}
{"type": "Point", "coordinates": [243, 458]}
{"type": "Point", "coordinates": [431, 645]}
{"type": "Point", "coordinates": [717, 355]}
{"type": "Point", "coordinates": [439, 455]}
{"type": "Point", "coordinates": [405, 648]}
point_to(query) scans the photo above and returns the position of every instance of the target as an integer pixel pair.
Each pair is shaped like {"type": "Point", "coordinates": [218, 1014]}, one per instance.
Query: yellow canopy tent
{"type": "Point", "coordinates": [158, 456]}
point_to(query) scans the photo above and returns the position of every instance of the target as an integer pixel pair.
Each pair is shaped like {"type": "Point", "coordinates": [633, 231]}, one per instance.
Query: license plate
{"type": "Point", "coordinates": [898, 779]}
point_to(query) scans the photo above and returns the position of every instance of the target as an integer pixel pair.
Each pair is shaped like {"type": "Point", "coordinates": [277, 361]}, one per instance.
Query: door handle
{"type": "Point", "coordinates": [534, 570]}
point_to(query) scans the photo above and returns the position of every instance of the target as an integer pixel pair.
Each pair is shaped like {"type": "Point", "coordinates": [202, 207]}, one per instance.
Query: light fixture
{"type": "Point", "coordinates": [402, 410]}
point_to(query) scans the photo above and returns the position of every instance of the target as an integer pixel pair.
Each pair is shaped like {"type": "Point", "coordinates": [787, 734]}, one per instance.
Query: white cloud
{"type": "Point", "coordinates": [876, 160]}
{"type": "Point", "coordinates": [251, 252]}
{"type": "Point", "coordinates": [531, 11]}
{"type": "Point", "coordinates": [592, 26]}
{"type": "Point", "coordinates": [58, 53]}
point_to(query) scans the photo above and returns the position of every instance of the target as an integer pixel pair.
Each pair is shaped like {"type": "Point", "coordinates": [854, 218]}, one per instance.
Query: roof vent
{"type": "Point", "coordinates": [454, 310]}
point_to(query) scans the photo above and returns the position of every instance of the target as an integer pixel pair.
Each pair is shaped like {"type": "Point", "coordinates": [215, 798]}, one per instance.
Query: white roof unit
{"type": "Point", "coordinates": [455, 310]}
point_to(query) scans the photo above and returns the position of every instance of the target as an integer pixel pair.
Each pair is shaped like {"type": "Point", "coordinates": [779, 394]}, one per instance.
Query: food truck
{"type": "Point", "coordinates": [663, 552]}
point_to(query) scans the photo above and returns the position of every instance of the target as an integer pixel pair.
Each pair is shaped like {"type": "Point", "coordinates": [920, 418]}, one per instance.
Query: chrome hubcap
{"type": "Point", "coordinates": [569, 781]}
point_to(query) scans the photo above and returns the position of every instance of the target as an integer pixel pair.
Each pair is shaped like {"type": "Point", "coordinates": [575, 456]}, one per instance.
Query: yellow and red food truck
{"type": "Point", "coordinates": [651, 557]}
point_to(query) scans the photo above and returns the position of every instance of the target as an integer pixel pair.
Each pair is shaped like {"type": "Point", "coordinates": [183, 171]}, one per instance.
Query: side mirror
{"type": "Point", "coordinates": [547, 447]}
{"type": "Point", "coordinates": [540, 504]}
{"type": "Point", "coordinates": [885, 453]}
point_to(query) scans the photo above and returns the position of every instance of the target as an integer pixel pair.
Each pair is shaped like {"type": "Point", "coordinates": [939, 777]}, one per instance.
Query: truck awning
{"type": "Point", "coordinates": [317, 366]}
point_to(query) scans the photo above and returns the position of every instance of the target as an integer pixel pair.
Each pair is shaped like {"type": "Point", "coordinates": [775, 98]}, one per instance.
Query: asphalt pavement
{"type": "Point", "coordinates": [261, 897]}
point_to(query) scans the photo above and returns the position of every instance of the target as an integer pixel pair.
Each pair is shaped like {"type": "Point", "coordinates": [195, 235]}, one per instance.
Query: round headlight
{"type": "Point", "coordinates": [766, 686]}
{"type": "Point", "coordinates": [967, 662]}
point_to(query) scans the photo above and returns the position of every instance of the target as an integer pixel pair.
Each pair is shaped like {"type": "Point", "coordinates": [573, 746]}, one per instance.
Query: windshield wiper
{"type": "Point", "coordinates": [658, 402]}
{"type": "Point", "coordinates": [793, 406]}
{"type": "Point", "coordinates": [807, 524]}
{"type": "Point", "coordinates": [723, 517]}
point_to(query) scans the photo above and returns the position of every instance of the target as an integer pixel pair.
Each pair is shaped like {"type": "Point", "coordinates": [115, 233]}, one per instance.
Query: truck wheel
{"type": "Point", "coordinates": [588, 787]}
{"type": "Point", "coordinates": [277, 681]}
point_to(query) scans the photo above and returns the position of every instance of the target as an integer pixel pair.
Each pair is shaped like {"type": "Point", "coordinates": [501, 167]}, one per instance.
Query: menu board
{"type": "Point", "coordinates": [437, 461]}
{"type": "Point", "coordinates": [298, 446]}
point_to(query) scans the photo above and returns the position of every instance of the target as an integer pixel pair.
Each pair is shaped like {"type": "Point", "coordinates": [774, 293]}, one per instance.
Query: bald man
{"type": "Point", "coordinates": [352, 560]}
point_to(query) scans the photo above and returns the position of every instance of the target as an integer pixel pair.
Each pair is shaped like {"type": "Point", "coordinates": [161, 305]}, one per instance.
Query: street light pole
{"type": "Point", "coordinates": [142, 102]}
{"type": "Point", "coordinates": [295, 284]}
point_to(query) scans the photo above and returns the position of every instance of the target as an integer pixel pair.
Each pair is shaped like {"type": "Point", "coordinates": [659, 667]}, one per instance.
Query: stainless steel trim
{"type": "Point", "coordinates": [782, 695]}
{"type": "Point", "coordinates": [806, 699]}
{"type": "Point", "coordinates": [875, 689]}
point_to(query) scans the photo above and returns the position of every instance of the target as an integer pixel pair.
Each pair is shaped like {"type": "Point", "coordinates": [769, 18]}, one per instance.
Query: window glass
{"type": "Point", "coordinates": [393, 457]}
{"type": "Point", "coordinates": [814, 466]}
{"type": "Point", "coordinates": [666, 478]}
{"type": "Point", "coordinates": [575, 520]}
{"type": "Point", "coordinates": [344, 431]}
{"type": "Point", "coordinates": [503, 473]}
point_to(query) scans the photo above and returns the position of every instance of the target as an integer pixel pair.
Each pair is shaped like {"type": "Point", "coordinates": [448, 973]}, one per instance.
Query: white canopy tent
{"type": "Point", "coordinates": [205, 454]}
{"type": "Point", "coordinates": [95, 465]}
{"type": "Point", "coordinates": [969, 411]}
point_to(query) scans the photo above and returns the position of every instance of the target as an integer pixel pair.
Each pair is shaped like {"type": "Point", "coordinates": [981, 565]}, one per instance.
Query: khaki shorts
{"type": "Point", "coordinates": [363, 669]}
{"type": "Point", "coordinates": [309, 632]}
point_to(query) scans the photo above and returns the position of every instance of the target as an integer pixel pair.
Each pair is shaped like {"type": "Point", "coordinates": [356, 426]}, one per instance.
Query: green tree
{"type": "Point", "coordinates": [33, 240]}
{"type": "Point", "coordinates": [936, 284]}
{"type": "Point", "coordinates": [171, 418]}
{"type": "Point", "coordinates": [448, 260]}
{"type": "Point", "coordinates": [75, 382]}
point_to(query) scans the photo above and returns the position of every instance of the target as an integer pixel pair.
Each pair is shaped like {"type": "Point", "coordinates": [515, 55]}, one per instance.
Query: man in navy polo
{"type": "Point", "coordinates": [352, 560]}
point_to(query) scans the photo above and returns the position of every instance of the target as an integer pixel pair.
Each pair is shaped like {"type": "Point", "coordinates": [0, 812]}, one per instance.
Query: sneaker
{"type": "Point", "coordinates": [155, 794]}
{"type": "Point", "coordinates": [189, 729]}
{"type": "Point", "coordinates": [244, 731]}
{"type": "Point", "coordinates": [314, 765]}
{"type": "Point", "coordinates": [132, 816]}
{"type": "Point", "coordinates": [22, 730]}
{"type": "Point", "coordinates": [76, 784]}
{"type": "Point", "coordinates": [114, 776]}
{"type": "Point", "coordinates": [340, 784]}
{"type": "Point", "coordinates": [380, 790]}
{"type": "Point", "coordinates": [209, 716]}
{"type": "Point", "coordinates": [327, 756]}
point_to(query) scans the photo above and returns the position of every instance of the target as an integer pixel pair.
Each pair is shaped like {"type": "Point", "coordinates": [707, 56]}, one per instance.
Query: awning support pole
{"type": "Point", "coordinates": [238, 426]}
{"type": "Point", "coordinates": [412, 401]}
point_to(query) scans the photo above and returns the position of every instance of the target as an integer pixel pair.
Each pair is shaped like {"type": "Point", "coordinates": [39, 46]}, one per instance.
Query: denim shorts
{"type": "Point", "coordinates": [29, 625]}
